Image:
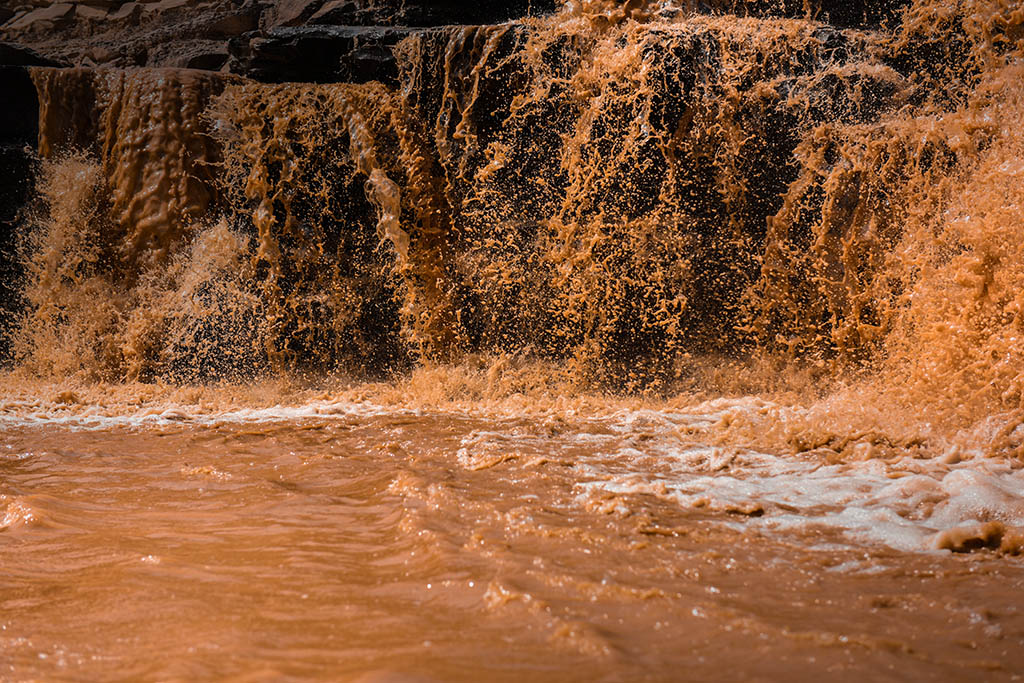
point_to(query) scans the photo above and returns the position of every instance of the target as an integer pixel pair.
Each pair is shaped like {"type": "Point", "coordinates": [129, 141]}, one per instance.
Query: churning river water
{"type": "Point", "coordinates": [178, 535]}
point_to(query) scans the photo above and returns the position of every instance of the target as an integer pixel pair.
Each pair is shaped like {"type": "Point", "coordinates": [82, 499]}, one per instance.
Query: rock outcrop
{"type": "Point", "coordinates": [265, 34]}
{"type": "Point", "coordinates": [510, 162]}
{"type": "Point", "coordinates": [18, 134]}
{"type": "Point", "coordinates": [337, 37]}
{"type": "Point", "coordinates": [318, 54]}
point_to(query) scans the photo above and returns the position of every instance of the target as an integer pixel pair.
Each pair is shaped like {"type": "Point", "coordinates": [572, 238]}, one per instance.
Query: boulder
{"type": "Point", "coordinates": [44, 19]}
{"type": "Point", "coordinates": [206, 55]}
{"type": "Point", "coordinates": [90, 13]}
{"type": "Point", "coordinates": [449, 12]}
{"type": "Point", "coordinates": [128, 12]}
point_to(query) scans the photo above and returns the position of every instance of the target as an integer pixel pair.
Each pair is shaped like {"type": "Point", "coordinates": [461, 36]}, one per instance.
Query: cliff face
{"type": "Point", "coordinates": [18, 135]}
{"type": "Point", "coordinates": [257, 37]}
{"type": "Point", "coordinates": [241, 37]}
{"type": "Point", "coordinates": [613, 184]}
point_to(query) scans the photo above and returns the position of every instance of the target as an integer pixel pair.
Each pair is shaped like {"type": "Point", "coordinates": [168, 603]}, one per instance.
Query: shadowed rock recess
{"type": "Point", "coordinates": [367, 184]}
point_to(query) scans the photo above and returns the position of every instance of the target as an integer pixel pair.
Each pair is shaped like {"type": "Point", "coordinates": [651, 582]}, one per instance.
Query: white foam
{"type": "Point", "coordinates": [870, 502]}
{"type": "Point", "coordinates": [92, 418]}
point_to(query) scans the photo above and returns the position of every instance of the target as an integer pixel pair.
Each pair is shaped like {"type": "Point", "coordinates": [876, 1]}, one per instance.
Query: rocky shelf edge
{"type": "Point", "coordinates": [339, 39]}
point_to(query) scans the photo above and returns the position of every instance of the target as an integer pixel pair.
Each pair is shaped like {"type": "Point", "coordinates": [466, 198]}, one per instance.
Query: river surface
{"type": "Point", "coordinates": [349, 540]}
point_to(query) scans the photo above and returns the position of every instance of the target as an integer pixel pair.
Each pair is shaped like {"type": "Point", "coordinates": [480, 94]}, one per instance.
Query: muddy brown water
{"type": "Point", "coordinates": [353, 541]}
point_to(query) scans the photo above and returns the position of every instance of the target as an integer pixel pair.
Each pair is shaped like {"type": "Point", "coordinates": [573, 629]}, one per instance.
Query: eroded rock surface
{"type": "Point", "coordinates": [18, 132]}
{"type": "Point", "coordinates": [267, 34]}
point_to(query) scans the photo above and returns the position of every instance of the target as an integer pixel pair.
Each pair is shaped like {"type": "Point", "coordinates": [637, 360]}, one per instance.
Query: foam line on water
{"type": "Point", "coordinates": [95, 419]}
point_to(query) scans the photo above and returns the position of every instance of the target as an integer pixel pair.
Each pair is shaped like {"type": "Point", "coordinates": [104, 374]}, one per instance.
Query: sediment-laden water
{"type": "Point", "coordinates": [630, 342]}
{"type": "Point", "coordinates": [168, 533]}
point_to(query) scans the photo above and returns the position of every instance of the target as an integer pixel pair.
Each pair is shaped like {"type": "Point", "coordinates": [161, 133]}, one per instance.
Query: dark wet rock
{"type": "Point", "coordinates": [348, 40]}
{"type": "Point", "coordinates": [17, 55]}
{"type": "Point", "coordinates": [144, 33]}
{"type": "Point", "coordinates": [318, 54]}
{"type": "Point", "coordinates": [160, 32]}
{"type": "Point", "coordinates": [18, 134]}
{"type": "Point", "coordinates": [205, 55]}
{"type": "Point", "coordinates": [211, 60]}
{"type": "Point", "coordinates": [839, 13]}
{"type": "Point", "coordinates": [402, 12]}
